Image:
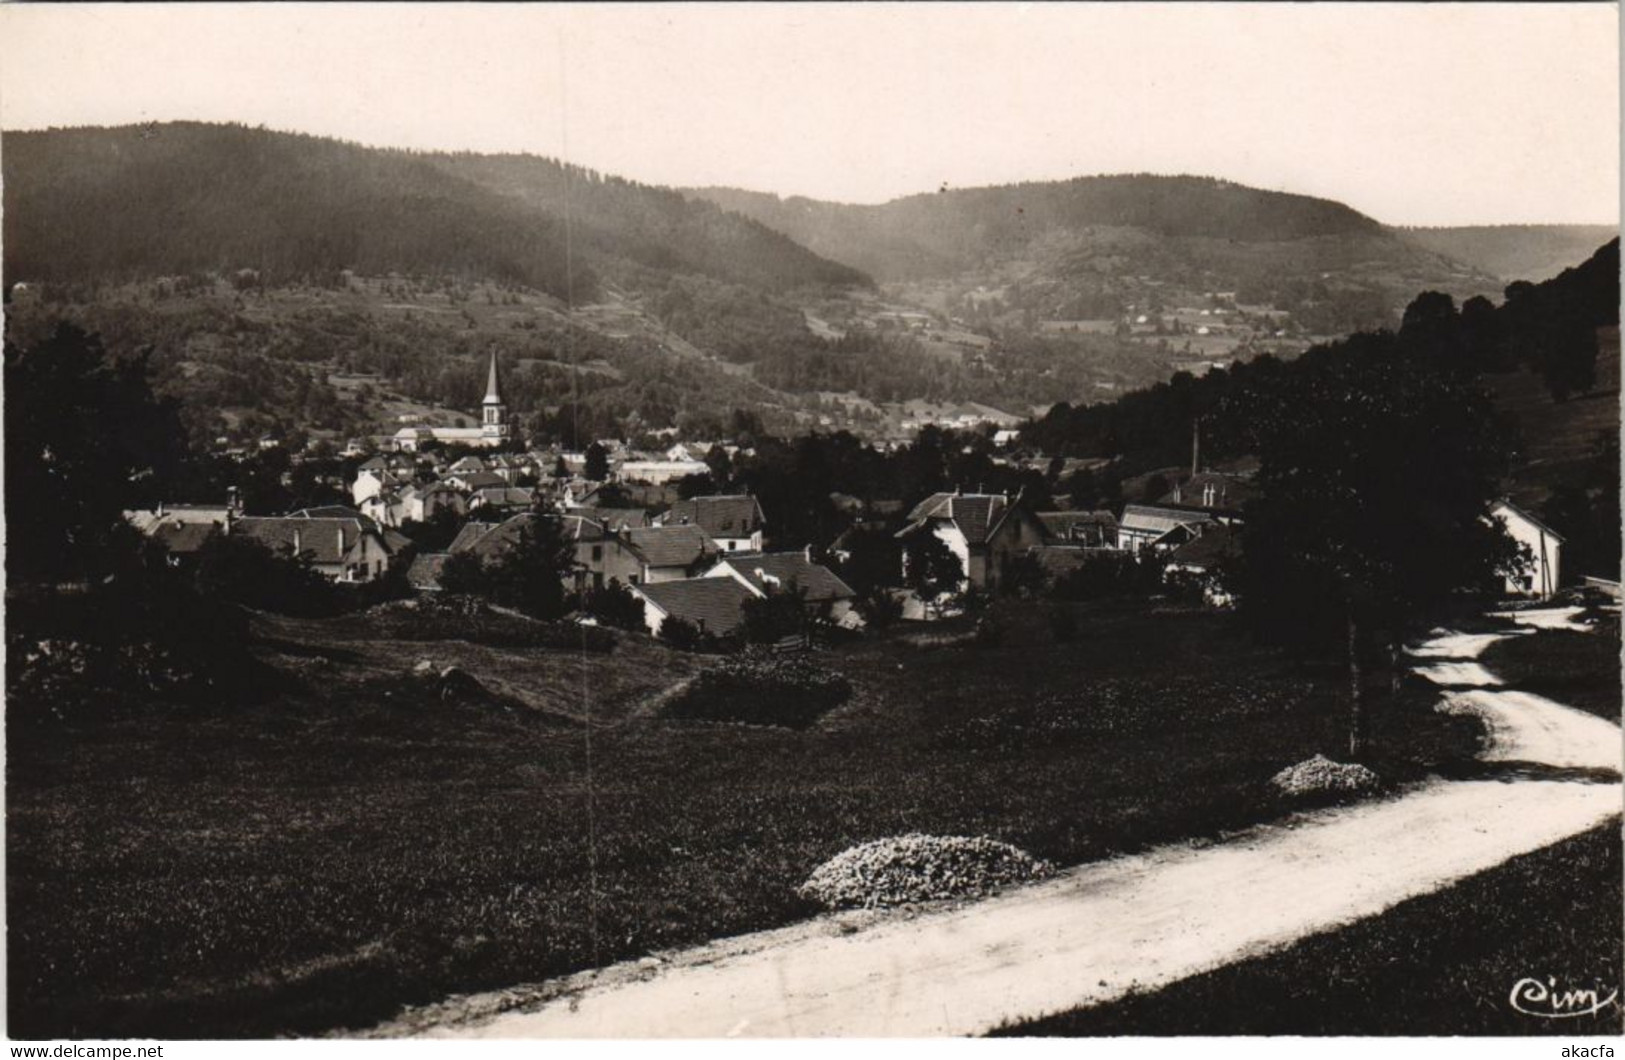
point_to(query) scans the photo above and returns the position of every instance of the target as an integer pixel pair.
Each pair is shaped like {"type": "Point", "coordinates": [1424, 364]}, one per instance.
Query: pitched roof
{"type": "Point", "coordinates": [772, 570]}
{"type": "Point", "coordinates": [183, 538]}
{"type": "Point", "coordinates": [335, 511]}
{"type": "Point", "coordinates": [1157, 519]}
{"type": "Point", "coordinates": [1061, 525]}
{"type": "Point", "coordinates": [1526, 517]}
{"type": "Point", "coordinates": [713, 604]}
{"type": "Point", "coordinates": [722, 515]}
{"type": "Point", "coordinates": [1228, 491]}
{"type": "Point", "coordinates": [1213, 546]}
{"type": "Point", "coordinates": [615, 518]}
{"type": "Point", "coordinates": [976, 515]}
{"type": "Point", "coordinates": [479, 480]}
{"type": "Point", "coordinates": [326, 540]}
{"type": "Point", "coordinates": [670, 546]}
{"type": "Point", "coordinates": [469, 536]}
{"type": "Point", "coordinates": [468, 463]}
{"type": "Point", "coordinates": [508, 496]}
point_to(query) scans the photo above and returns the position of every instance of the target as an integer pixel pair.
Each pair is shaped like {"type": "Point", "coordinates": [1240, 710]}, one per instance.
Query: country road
{"type": "Point", "coordinates": [1101, 929]}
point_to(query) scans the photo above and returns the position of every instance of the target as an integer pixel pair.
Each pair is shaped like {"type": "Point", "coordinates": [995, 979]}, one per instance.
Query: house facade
{"type": "Point", "coordinates": [984, 531]}
{"type": "Point", "coordinates": [1544, 551]}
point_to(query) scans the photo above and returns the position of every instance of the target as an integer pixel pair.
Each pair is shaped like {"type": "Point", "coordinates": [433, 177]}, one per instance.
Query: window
{"type": "Point", "coordinates": [732, 545]}
{"type": "Point", "coordinates": [597, 553]}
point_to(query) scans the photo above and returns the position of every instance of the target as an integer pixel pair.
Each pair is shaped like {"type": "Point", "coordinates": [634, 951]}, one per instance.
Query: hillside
{"type": "Point", "coordinates": [1094, 247]}
{"type": "Point", "coordinates": [114, 204]}
{"type": "Point", "coordinates": [1514, 252]}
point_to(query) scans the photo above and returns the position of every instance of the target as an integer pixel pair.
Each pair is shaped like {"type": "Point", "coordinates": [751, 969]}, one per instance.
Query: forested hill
{"type": "Point", "coordinates": [952, 230]}
{"type": "Point", "coordinates": [182, 198]}
{"type": "Point", "coordinates": [1515, 252]}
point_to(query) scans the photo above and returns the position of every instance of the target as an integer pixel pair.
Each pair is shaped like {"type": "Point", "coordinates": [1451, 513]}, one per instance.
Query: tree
{"type": "Point", "coordinates": [1378, 470]}
{"type": "Point", "coordinates": [931, 569]}
{"type": "Point", "coordinates": [597, 468]}
{"type": "Point", "coordinates": [614, 605]}
{"type": "Point", "coordinates": [781, 613]}
{"type": "Point", "coordinates": [86, 439]}
{"type": "Point", "coordinates": [529, 574]}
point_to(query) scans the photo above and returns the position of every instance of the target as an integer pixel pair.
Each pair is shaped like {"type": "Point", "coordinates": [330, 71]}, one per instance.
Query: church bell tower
{"type": "Point", "coordinates": [494, 414]}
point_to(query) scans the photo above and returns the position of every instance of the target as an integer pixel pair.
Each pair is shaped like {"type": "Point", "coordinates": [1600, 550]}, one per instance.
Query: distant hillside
{"type": "Point", "coordinates": [1093, 246]}
{"type": "Point", "coordinates": [1514, 252]}
{"type": "Point", "coordinates": [84, 205]}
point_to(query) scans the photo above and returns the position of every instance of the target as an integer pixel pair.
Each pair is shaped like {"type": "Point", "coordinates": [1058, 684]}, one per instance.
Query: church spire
{"type": "Point", "coordinates": [493, 387]}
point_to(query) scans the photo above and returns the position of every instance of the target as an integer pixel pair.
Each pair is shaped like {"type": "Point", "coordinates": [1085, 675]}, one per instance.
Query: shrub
{"type": "Point", "coordinates": [762, 690]}
{"type": "Point", "coordinates": [920, 868]}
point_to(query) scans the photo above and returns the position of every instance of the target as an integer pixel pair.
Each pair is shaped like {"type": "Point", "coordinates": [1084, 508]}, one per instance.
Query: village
{"type": "Point", "coordinates": [696, 560]}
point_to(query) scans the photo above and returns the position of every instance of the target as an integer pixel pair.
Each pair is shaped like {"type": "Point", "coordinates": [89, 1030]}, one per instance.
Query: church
{"type": "Point", "coordinates": [492, 432]}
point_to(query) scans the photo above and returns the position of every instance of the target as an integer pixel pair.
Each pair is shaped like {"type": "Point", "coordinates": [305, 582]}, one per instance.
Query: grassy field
{"type": "Point", "coordinates": [1442, 964]}
{"type": "Point", "coordinates": [354, 842]}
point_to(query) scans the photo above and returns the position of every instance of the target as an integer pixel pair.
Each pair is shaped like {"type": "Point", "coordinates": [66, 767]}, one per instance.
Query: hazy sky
{"type": "Point", "coordinates": [1415, 114]}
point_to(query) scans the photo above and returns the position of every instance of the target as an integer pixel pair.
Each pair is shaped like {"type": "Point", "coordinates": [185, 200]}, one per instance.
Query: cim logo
{"type": "Point", "coordinates": [1544, 1000]}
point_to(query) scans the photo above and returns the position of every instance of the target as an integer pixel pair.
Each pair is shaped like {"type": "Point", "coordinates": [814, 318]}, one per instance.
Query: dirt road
{"type": "Point", "coordinates": [1100, 929]}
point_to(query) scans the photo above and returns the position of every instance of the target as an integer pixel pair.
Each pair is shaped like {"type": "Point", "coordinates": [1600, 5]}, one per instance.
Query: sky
{"type": "Point", "coordinates": [1431, 114]}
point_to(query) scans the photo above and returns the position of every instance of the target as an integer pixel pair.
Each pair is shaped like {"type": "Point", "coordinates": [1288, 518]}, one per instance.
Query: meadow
{"type": "Point", "coordinates": [357, 839]}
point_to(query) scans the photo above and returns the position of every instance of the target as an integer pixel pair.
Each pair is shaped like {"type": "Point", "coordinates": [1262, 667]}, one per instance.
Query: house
{"type": "Point", "coordinates": [770, 572]}
{"type": "Point", "coordinates": [1543, 574]}
{"type": "Point", "coordinates": [668, 553]}
{"type": "Point", "coordinates": [714, 606]}
{"type": "Point", "coordinates": [1095, 529]}
{"type": "Point", "coordinates": [620, 518]}
{"type": "Point", "coordinates": [1204, 558]}
{"type": "Point", "coordinates": [733, 521]}
{"type": "Point", "coordinates": [983, 530]}
{"type": "Point", "coordinates": [602, 553]}
{"type": "Point", "coordinates": [350, 550]}
{"type": "Point", "coordinates": [1158, 526]}
{"type": "Point", "coordinates": [419, 504]}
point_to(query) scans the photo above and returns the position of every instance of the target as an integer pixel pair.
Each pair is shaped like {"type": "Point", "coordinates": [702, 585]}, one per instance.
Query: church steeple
{"type": "Point", "coordinates": [494, 414]}
{"type": "Point", "coordinates": [493, 386]}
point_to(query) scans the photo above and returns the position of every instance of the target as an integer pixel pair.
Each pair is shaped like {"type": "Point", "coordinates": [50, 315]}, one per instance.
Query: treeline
{"type": "Point", "coordinates": [1549, 328]}
{"type": "Point", "coordinates": [189, 198]}
{"type": "Point", "coordinates": [946, 232]}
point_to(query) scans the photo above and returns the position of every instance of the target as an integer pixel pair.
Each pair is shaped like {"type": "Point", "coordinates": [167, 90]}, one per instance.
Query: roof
{"type": "Point", "coordinates": [183, 538]}
{"type": "Point", "coordinates": [468, 463]}
{"type": "Point", "coordinates": [976, 515]}
{"type": "Point", "coordinates": [787, 568]}
{"type": "Point", "coordinates": [715, 605]}
{"type": "Point", "coordinates": [479, 480]}
{"type": "Point", "coordinates": [670, 546]}
{"type": "Point", "coordinates": [1229, 491]}
{"type": "Point", "coordinates": [615, 518]}
{"type": "Point", "coordinates": [583, 528]}
{"type": "Point", "coordinates": [469, 536]}
{"type": "Point", "coordinates": [730, 515]}
{"type": "Point", "coordinates": [1061, 524]}
{"type": "Point", "coordinates": [424, 573]}
{"type": "Point", "coordinates": [510, 496]}
{"type": "Point", "coordinates": [1213, 546]}
{"type": "Point", "coordinates": [321, 538]}
{"type": "Point", "coordinates": [1526, 517]}
{"type": "Point", "coordinates": [1156, 519]}
{"type": "Point", "coordinates": [335, 511]}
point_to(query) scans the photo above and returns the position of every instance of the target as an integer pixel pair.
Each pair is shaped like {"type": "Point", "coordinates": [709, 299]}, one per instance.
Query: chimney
{"type": "Point", "coordinates": [296, 543]}
{"type": "Point", "coordinates": [160, 512]}
{"type": "Point", "coordinates": [1196, 445]}
{"type": "Point", "coordinates": [341, 541]}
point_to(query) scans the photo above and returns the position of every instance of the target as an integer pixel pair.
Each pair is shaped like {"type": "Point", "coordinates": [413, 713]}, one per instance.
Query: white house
{"type": "Point", "coordinates": [1545, 551]}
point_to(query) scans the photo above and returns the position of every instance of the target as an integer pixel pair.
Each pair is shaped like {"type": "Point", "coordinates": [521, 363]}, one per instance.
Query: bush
{"type": "Point", "coordinates": [762, 690]}
{"type": "Point", "coordinates": [920, 868]}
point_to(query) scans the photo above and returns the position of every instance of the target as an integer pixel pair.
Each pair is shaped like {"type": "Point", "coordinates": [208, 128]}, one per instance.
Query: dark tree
{"type": "Point", "coordinates": [931, 569]}
{"type": "Point", "coordinates": [86, 439]}
{"type": "Point", "coordinates": [597, 468]}
{"type": "Point", "coordinates": [1378, 472]}
{"type": "Point", "coordinates": [614, 605]}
